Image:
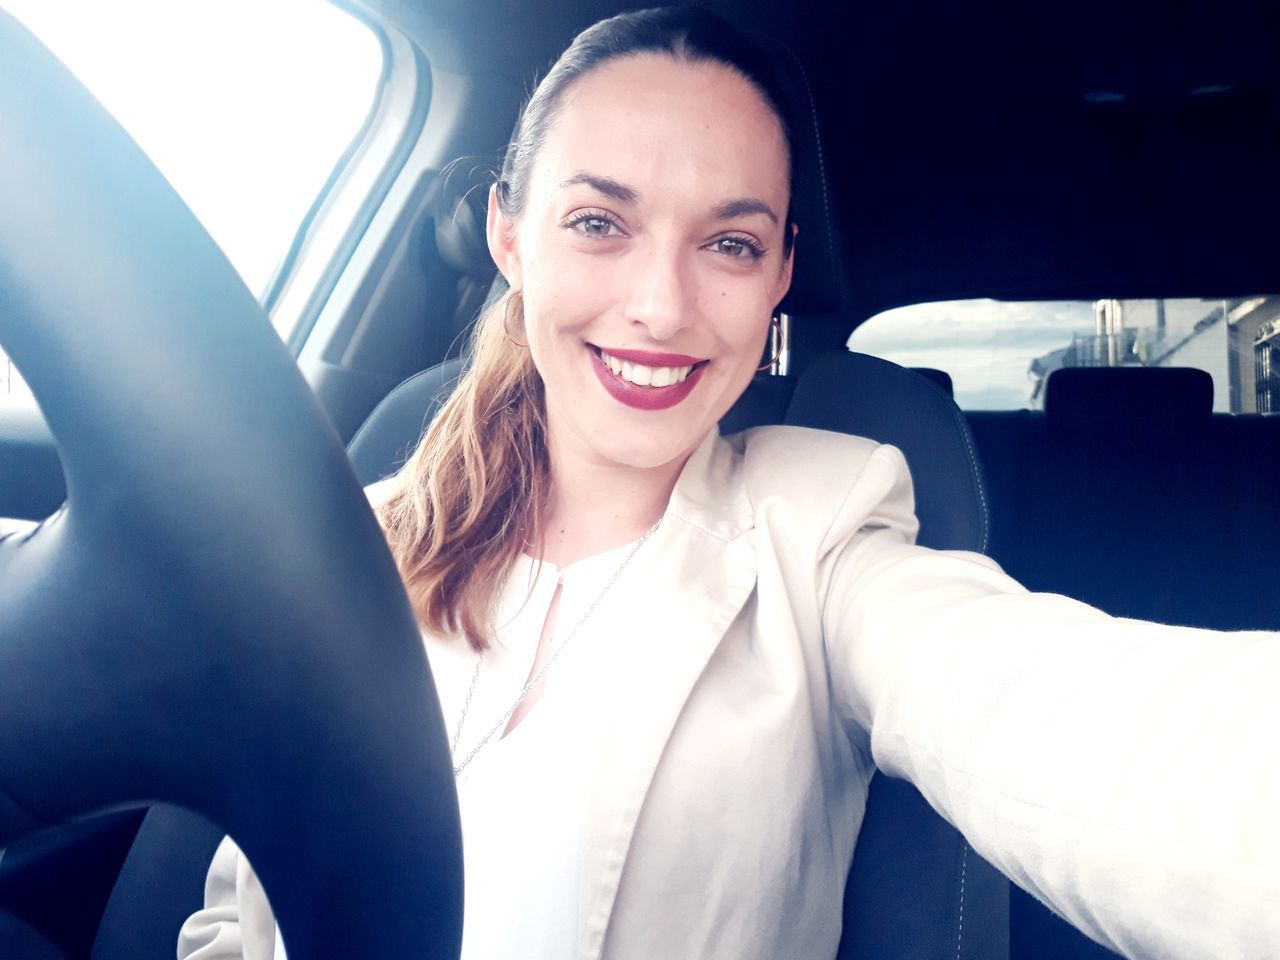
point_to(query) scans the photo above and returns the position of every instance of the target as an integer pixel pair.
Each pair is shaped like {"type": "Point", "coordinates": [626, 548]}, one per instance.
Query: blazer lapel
{"type": "Point", "coordinates": [700, 571]}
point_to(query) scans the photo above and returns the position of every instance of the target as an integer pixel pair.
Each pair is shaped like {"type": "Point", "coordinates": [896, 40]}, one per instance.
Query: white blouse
{"type": "Point", "coordinates": [521, 796]}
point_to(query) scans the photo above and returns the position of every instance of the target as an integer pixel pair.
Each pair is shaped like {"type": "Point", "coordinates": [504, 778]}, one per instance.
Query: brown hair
{"type": "Point", "coordinates": [471, 496]}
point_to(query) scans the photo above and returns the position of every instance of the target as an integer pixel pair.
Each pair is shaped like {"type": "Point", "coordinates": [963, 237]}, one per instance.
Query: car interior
{"type": "Point", "coordinates": [1055, 151]}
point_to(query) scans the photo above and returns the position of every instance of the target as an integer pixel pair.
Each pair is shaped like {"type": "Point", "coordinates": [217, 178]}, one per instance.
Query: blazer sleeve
{"type": "Point", "coordinates": [1123, 772]}
{"type": "Point", "coordinates": [10, 526]}
{"type": "Point", "coordinates": [236, 922]}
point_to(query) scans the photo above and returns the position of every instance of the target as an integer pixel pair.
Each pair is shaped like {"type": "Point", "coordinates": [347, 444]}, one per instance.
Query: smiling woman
{"type": "Point", "coordinates": [669, 662]}
{"type": "Point", "coordinates": [682, 267]}
{"type": "Point", "coordinates": [627, 242]}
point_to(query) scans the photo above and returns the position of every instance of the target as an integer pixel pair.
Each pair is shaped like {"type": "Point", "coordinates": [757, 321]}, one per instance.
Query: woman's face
{"type": "Point", "coordinates": [649, 255]}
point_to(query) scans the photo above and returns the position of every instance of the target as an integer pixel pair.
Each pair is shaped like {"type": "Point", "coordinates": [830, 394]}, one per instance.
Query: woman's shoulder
{"type": "Point", "coordinates": [802, 440]}
{"type": "Point", "coordinates": [831, 484]}
{"type": "Point", "coordinates": [802, 460]}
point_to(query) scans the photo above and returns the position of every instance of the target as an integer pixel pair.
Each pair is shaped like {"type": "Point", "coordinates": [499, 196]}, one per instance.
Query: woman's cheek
{"type": "Point", "coordinates": [739, 315]}
{"type": "Point", "coordinates": [585, 285]}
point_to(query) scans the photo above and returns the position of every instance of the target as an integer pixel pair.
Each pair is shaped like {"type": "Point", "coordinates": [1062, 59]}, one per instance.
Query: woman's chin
{"type": "Point", "coordinates": [651, 453]}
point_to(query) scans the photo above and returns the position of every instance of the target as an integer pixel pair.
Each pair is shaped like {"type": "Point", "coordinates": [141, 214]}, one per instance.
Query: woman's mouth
{"type": "Point", "coordinates": [646, 380]}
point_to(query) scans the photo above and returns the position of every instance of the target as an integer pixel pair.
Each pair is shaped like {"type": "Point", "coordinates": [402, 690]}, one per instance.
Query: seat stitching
{"type": "Point", "coordinates": [967, 438]}
{"type": "Point", "coordinates": [964, 861]}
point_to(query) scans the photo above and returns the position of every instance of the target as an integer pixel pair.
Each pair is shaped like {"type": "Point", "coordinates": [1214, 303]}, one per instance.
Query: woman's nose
{"type": "Point", "coordinates": [661, 298]}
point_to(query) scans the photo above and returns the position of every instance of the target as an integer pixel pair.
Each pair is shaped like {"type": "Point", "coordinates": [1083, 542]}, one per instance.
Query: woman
{"type": "Point", "coordinates": [667, 660]}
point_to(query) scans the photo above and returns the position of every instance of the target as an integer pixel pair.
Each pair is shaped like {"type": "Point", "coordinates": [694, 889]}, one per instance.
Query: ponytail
{"type": "Point", "coordinates": [469, 500]}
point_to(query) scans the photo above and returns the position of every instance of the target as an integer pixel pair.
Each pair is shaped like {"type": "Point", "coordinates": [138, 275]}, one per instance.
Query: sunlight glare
{"type": "Point", "coordinates": [244, 105]}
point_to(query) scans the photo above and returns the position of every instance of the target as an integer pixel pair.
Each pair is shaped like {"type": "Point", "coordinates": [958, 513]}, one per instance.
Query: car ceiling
{"type": "Point", "coordinates": [1023, 150]}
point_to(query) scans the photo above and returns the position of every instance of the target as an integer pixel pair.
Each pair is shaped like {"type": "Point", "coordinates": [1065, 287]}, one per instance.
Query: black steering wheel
{"type": "Point", "coordinates": [212, 619]}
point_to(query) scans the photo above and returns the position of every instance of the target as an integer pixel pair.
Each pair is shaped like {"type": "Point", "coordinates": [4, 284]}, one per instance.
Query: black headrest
{"type": "Point", "coordinates": [1127, 397]}
{"type": "Point", "coordinates": [940, 377]}
{"type": "Point", "coordinates": [458, 218]}
{"type": "Point", "coordinates": [816, 286]}
{"type": "Point", "coordinates": [870, 397]}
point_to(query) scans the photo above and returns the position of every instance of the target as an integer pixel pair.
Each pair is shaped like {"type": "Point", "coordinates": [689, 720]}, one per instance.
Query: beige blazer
{"type": "Point", "coordinates": [1124, 772]}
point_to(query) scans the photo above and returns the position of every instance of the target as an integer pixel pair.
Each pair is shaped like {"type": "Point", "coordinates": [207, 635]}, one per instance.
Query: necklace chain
{"type": "Point", "coordinates": [460, 765]}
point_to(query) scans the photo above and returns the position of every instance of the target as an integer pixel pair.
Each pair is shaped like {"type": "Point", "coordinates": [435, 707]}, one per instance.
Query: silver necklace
{"type": "Point", "coordinates": [460, 765]}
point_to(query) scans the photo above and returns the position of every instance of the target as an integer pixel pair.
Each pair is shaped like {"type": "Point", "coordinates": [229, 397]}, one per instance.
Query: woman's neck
{"type": "Point", "coordinates": [596, 506]}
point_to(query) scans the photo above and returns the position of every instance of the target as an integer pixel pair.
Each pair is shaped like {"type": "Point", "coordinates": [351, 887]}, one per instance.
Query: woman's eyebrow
{"type": "Point", "coordinates": [606, 185]}
{"type": "Point", "coordinates": [742, 207]}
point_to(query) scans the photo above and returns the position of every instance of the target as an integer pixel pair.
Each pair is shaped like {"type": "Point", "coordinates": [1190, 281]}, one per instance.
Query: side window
{"type": "Point", "coordinates": [1000, 353]}
{"type": "Point", "coordinates": [244, 106]}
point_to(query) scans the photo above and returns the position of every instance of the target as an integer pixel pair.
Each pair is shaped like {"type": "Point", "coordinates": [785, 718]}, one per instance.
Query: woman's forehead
{"type": "Point", "coordinates": [663, 126]}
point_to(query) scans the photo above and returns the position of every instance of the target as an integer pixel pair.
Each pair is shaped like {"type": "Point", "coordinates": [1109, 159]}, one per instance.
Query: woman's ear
{"type": "Point", "coordinates": [501, 233]}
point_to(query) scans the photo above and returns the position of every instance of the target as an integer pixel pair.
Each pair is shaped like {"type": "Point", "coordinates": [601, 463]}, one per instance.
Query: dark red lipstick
{"type": "Point", "coordinates": [647, 398]}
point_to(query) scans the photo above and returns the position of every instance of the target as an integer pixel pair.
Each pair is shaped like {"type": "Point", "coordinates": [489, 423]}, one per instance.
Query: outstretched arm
{"type": "Point", "coordinates": [1126, 773]}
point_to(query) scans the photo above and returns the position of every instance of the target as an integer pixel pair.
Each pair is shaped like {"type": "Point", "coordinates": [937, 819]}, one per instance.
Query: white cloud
{"type": "Point", "coordinates": [986, 345]}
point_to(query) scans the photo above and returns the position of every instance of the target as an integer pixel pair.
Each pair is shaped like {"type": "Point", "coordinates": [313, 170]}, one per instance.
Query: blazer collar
{"type": "Point", "coordinates": [700, 568]}
{"type": "Point", "coordinates": [711, 491]}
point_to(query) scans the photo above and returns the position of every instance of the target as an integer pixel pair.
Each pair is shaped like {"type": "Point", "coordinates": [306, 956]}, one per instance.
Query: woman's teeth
{"type": "Point", "coordinates": [645, 376]}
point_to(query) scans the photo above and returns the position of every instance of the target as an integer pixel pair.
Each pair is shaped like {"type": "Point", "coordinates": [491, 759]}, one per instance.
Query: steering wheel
{"type": "Point", "coordinates": [212, 619]}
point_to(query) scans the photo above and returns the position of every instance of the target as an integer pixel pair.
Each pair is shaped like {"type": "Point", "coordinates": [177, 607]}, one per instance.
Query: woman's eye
{"type": "Point", "coordinates": [737, 248]}
{"type": "Point", "coordinates": [593, 225]}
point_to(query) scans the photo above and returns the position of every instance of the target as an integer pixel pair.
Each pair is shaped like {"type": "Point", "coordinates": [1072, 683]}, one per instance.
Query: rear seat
{"type": "Point", "coordinates": [1129, 494]}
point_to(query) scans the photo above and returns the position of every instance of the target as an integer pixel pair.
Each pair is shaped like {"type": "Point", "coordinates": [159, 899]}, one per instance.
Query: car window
{"type": "Point", "coordinates": [1000, 353]}
{"type": "Point", "coordinates": [244, 106]}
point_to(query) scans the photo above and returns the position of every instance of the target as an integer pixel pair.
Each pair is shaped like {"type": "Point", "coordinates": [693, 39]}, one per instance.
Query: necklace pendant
{"type": "Point", "coordinates": [461, 765]}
